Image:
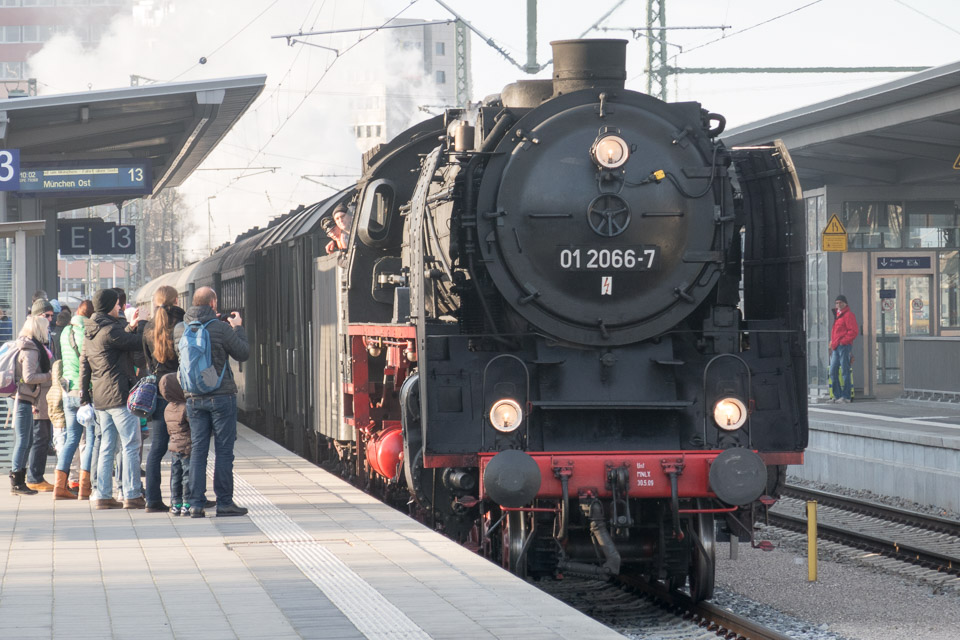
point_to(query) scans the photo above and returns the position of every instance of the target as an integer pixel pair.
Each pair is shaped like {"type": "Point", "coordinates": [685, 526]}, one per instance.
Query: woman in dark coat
{"type": "Point", "coordinates": [162, 358]}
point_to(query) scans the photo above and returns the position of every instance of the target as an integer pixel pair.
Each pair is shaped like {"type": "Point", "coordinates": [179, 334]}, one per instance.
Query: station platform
{"type": "Point", "coordinates": [904, 448]}
{"type": "Point", "coordinates": [315, 558]}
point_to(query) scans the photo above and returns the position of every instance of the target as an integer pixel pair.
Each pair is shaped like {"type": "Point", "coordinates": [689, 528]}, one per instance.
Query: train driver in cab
{"type": "Point", "coordinates": [343, 216]}
{"type": "Point", "coordinates": [336, 235]}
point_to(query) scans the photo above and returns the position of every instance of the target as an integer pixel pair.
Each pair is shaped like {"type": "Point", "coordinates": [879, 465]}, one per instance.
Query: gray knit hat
{"type": "Point", "coordinates": [40, 307]}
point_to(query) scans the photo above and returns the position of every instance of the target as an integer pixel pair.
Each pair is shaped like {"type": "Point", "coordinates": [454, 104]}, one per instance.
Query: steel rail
{"type": "Point", "coordinates": [866, 507]}
{"type": "Point", "coordinates": [886, 546]}
{"type": "Point", "coordinates": [723, 622]}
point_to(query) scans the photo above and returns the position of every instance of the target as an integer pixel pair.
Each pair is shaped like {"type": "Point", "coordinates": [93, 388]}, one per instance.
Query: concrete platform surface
{"type": "Point", "coordinates": [315, 558]}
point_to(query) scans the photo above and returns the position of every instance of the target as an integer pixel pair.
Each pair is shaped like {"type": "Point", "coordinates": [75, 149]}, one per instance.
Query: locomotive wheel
{"type": "Point", "coordinates": [703, 561]}
{"type": "Point", "coordinates": [514, 532]}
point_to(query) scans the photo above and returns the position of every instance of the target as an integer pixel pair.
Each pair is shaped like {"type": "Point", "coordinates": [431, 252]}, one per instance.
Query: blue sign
{"type": "Point", "coordinates": [86, 177]}
{"type": "Point", "coordinates": [903, 262]}
{"type": "Point", "coordinates": [9, 169]}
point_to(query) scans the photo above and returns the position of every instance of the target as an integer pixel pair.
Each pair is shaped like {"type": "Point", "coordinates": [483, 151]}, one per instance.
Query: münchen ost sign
{"type": "Point", "coordinates": [75, 177]}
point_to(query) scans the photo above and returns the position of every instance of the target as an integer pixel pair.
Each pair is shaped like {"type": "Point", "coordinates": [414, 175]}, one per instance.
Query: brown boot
{"type": "Point", "coordinates": [135, 503]}
{"type": "Point", "coordinates": [43, 485]}
{"type": "Point", "coordinates": [84, 493]}
{"type": "Point", "coordinates": [60, 491]}
{"type": "Point", "coordinates": [109, 503]}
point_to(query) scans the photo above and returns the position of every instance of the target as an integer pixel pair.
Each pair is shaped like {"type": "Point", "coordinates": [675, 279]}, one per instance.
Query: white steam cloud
{"type": "Point", "coordinates": [302, 122]}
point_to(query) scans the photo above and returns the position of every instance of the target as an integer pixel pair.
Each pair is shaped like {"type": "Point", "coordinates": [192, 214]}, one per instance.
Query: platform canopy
{"type": "Point", "coordinates": [904, 132]}
{"type": "Point", "coordinates": [172, 127]}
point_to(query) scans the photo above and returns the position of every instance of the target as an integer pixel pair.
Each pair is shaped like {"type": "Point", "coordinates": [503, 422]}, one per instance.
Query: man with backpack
{"type": "Point", "coordinates": [205, 344]}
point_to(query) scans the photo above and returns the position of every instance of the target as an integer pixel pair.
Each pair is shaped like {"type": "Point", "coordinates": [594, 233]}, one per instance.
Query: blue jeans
{"type": "Point", "coordinates": [120, 423]}
{"type": "Point", "coordinates": [39, 449]}
{"type": "Point", "coordinates": [72, 433]}
{"type": "Point", "coordinates": [180, 478]}
{"type": "Point", "coordinates": [216, 415]}
{"type": "Point", "coordinates": [23, 432]}
{"type": "Point", "coordinates": [159, 438]}
{"type": "Point", "coordinates": [840, 360]}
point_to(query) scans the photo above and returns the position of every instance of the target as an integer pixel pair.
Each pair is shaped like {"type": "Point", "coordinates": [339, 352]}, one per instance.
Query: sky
{"type": "Point", "coordinates": [294, 145]}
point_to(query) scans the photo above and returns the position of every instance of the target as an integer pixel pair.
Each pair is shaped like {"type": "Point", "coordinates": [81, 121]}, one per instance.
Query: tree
{"type": "Point", "coordinates": [164, 222]}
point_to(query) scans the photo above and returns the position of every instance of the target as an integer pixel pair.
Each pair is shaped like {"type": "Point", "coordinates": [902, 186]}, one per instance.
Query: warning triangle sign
{"type": "Point", "coordinates": [835, 227]}
{"type": "Point", "coordinates": [956, 163]}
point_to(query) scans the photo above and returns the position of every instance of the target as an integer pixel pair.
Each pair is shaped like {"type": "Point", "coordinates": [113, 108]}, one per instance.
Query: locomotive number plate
{"type": "Point", "coordinates": [642, 258]}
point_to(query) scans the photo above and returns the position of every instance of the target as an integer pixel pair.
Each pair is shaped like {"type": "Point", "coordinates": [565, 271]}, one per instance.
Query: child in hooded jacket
{"type": "Point", "coordinates": [175, 415]}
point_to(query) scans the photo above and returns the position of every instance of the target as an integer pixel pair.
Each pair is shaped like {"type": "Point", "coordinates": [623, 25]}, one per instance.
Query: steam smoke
{"type": "Point", "coordinates": [298, 124]}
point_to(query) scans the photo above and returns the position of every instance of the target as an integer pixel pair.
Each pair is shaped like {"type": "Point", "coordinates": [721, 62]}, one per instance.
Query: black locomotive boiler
{"type": "Point", "coordinates": [568, 329]}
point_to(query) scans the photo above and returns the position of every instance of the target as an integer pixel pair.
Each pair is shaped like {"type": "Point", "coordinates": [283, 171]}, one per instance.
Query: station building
{"type": "Point", "coordinates": [886, 162]}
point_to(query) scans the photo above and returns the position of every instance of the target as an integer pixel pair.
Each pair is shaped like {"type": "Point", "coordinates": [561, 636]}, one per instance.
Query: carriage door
{"type": "Point", "coordinates": [901, 308]}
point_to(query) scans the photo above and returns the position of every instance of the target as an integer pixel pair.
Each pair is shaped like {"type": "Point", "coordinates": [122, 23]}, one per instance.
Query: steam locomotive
{"type": "Point", "coordinates": [568, 330]}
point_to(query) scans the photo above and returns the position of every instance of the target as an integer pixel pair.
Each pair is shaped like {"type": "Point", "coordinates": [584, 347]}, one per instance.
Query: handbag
{"type": "Point", "coordinates": [143, 397]}
{"type": "Point", "coordinates": [142, 400]}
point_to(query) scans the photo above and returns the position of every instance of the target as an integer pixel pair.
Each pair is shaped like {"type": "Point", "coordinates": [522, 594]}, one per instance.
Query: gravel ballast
{"type": "Point", "coordinates": [855, 597]}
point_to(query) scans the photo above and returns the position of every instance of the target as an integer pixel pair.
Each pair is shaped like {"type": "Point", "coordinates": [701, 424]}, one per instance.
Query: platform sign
{"type": "Point", "coordinates": [903, 262]}
{"type": "Point", "coordinates": [86, 177]}
{"type": "Point", "coordinates": [834, 237]}
{"type": "Point", "coordinates": [9, 169]}
{"type": "Point", "coordinates": [85, 236]}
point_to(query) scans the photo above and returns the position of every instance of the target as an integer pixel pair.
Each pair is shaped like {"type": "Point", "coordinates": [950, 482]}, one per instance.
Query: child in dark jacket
{"type": "Point", "coordinates": [175, 415]}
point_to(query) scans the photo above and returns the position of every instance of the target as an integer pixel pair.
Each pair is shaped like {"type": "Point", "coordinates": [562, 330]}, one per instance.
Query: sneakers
{"type": "Point", "coordinates": [231, 510]}
{"type": "Point", "coordinates": [175, 509]}
{"type": "Point", "coordinates": [844, 400]}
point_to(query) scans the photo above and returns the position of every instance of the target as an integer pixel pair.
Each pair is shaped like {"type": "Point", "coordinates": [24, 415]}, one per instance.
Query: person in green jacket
{"type": "Point", "coordinates": [71, 345]}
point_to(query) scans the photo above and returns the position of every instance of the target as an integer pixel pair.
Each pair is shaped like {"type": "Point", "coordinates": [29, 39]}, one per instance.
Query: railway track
{"type": "Point", "coordinates": [637, 608]}
{"type": "Point", "coordinates": [905, 535]}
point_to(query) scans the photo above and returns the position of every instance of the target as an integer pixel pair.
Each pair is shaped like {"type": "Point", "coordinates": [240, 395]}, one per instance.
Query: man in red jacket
{"type": "Point", "coordinates": [844, 332]}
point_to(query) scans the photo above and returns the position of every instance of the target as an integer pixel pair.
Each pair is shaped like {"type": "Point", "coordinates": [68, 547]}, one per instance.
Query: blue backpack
{"type": "Point", "coordinates": [197, 375]}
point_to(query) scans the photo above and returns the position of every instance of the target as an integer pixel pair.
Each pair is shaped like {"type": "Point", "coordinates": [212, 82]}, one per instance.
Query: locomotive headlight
{"type": "Point", "coordinates": [506, 415]}
{"type": "Point", "coordinates": [610, 151]}
{"type": "Point", "coordinates": [730, 414]}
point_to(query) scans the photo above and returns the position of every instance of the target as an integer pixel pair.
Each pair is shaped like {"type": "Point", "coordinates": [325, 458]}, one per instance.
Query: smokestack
{"type": "Point", "coordinates": [588, 64]}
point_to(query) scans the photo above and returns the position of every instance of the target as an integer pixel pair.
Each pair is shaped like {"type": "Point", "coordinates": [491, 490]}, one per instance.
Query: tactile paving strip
{"type": "Point", "coordinates": [371, 613]}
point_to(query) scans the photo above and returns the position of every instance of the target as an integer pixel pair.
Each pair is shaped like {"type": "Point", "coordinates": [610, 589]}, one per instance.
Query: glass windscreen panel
{"type": "Point", "coordinates": [887, 323]}
{"type": "Point", "coordinates": [950, 289]}
{"type": "Point", "coordinates": [873, 225]}
{"type": "Point", "coordinates": [932, 224]}
{"type": "Point", "coordinates": [918, 305]}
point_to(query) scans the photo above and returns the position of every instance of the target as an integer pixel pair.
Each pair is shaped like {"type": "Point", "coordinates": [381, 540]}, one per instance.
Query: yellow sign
{"type": "Point", "coordinates": [834, 237]}
{"type": "Point", "coordinates": [956, 163]}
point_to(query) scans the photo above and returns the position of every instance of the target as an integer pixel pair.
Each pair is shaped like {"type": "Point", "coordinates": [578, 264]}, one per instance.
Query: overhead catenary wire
{"type": "Point", "coordinates": [227, 41]}
{"type": "Point", "coordinates": [300, 104]}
